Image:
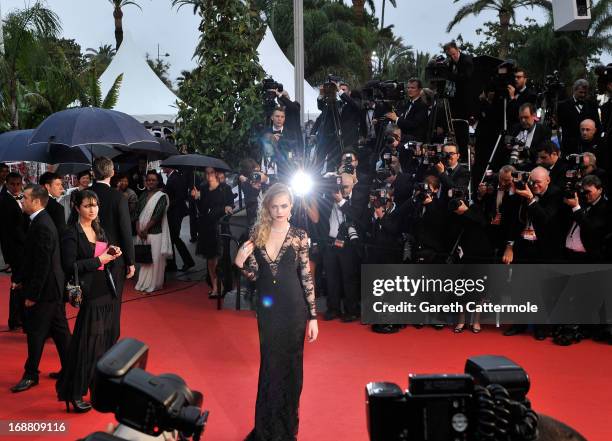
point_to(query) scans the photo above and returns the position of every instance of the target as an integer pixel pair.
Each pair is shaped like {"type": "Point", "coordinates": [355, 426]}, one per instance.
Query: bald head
{"type": "Point", "coordinates": [588, 129]}
{"type": "Point", "coordinates": [540, 179]}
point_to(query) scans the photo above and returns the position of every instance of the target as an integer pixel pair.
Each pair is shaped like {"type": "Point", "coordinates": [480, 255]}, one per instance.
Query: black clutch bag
{"type": "Point", "coordinates": [142, 253]}
{"type": "Point", "coordinates": [74, 291]}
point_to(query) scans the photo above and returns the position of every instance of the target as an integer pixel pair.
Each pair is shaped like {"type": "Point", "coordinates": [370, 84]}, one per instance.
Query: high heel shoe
{"type": "Point", "coordinates": [79, 406]}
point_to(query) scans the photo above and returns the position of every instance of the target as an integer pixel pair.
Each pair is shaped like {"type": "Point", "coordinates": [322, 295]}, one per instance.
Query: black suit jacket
{"type": "Point", "coordinates": [114, 217]}
{"type": "Point", "coordinates": [414, 121]}
{"type": "Point", "coordinates": [557, 174]}
{"type": "Point", "coordinates": [176, 189]}
{"type": "Point", "coordinates": [569, 120]}
{"type": "Point", "coordinates": [459, 177]}
{"type": "Point", "coordinates": [13, 227]}
{"type": "Point", "coordinates": [354, 210]}
{"type": "Point", "coordinates": [512, 109]}
{"type": "Point", "coordinates": [292, 118]}
{"type": "Point", "coordinates": [540, 135]}
{"type": "Point", "coordinates": [56, 211]}
{"type": "Point", "coordinates": [464, 103]}
{"type": "Point", "coordinates": [42, 275]}
{"type": "Point", "coordinates": [430, 227]}
{"type": "Point", "coordinates": [472, 226]}
{"type": "Point", "coordinates": [549, 222]}
{"type": "Point", "coordinates": [350, 120]}
{"type": "Point", "coordinates": [77, 249]}
{"type": "Point", "coordinates": [593, 227]}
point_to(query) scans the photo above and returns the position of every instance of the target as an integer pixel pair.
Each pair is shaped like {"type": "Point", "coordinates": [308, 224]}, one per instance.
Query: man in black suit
{"type": "Point", "coordinates": [280, 144]}
{"type": "Point", "coordinates": [529, 133]}
{"type": "Point", "coordinates": [463, 105]}
{"type": "Point", "coordinates": [414, 119]}
{"type": "Point", "coordinates": [548, 157]}
{"type": "Point", "coordinates": [451, 174]}
{"type": "Point", "coordinates": [590, 167]}
{"type": "Point", "coordinates": [176, 189]}
{"type": "Point", "coordinates": [55, 187]}
{"type": "Point", "coordinates": [342, 254]}
{"type": "Point", "coordinates": [519, 94]}
{"type": "Point", "coordinates": [584, 240]}
{"type": "Point", "coordinates": [42, 286]}
{"type": "Point", "coordinates": [591, 141]}
{"type": "Point", "coordinates": [114, 216]}
{"type": "Point", "coordinates": [572, 112]}
{"type": "Point", "coordinates": [4, 171]}
{"type": "Point", "coordinates": [13, 227]}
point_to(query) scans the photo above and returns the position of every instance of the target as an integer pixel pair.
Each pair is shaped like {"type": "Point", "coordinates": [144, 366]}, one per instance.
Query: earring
{"type": "Point", "coordinates": [288, 218]}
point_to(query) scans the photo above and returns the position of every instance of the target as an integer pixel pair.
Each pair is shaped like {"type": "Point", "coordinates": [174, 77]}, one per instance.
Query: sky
{"type": "Point", "coordinates": [421, 23]}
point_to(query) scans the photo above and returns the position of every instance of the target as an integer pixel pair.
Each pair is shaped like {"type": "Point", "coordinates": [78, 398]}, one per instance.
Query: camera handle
{"type": "Point", "coordinates": [499, 138]}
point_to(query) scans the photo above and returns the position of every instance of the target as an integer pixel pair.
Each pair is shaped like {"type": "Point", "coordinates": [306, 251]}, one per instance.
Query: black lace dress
{"type": "Point", "coordinates": [286, 301]}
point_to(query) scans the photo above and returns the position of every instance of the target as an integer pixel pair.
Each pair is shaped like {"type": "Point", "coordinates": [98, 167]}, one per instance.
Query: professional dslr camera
{"type": "Point", "coordinates": [573, 176]}
{"type": "Point", "coordinates": [490, 180]}
{"type": "Point", "coordinates": [421, 191]}
{"type": "Point", "coordinates": [330, 89]}
{"type": "Point", "coordinates": [458, 195]}
{"type": "Point", "coordinates": [427, 153]}
{"type": "Point", "coordinates": [521, 179]}
{"type": "Point", "coordinates": [438, 73]}
{"type": "Point", "coordinates": [505, 77]}
{"type": "Point", "coordinates": [518, 152]}
{"type": "Point", "coordinates": [487, 402]}
{"type": "Point", "coordinates": [144, 402]}
{"type": "Point", "coordinates": [379, 197]}
{"type": "Point", "coordinates": [347, 166]}
{"type": "Point", "coordinates": [270, 87]}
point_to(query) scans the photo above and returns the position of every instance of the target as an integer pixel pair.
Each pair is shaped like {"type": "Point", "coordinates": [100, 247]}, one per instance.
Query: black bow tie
{"type": "Point", "coordinates": [277, 132]}
{"type": "Point", "coordinates": [579, 103]}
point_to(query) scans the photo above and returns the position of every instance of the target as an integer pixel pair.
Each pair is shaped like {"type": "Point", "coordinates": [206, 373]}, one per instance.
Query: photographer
{"type": "Point", "coordinates": [589, 210]}
{"type": "Point", "coordinates": [344, 224]}
{"type": "Point", "coordinates": [590, 141]}
{"type": "Point", "coordinates": [429, 221]}
{"type": "Point", "coordinates": [279, 144]}
{"type": "Point", "coordinates": [518, 95]}
{"type": "Point", "coordinates": [461, 71]}
{"type": "Point", "coordinates": [548, 157]}
{"type": "Point", "coordinates": [499, 203]}
{"type": "Point", "coordinates": [341, 115]}
{"type": "Point", "coordinates": [384, 245]}
{"type": "Point", "coordinates": [414, 119]}
{"type": "Point", "coordinates": [572, 112]}
{"type": "Point", "coordinates": [350, 164]}
{"type": "Point", "coordinates": [252, 183]}
{"type": "Point", "coordinates": [449, 171]}
{"type": "Point", "coordinates": [526, 138]}
{"type": "Point", "coordinates": [539, 223]}
{"type": "Point", "coordinates": [589, 167]}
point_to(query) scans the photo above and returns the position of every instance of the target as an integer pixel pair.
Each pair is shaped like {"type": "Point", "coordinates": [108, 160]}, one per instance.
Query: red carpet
{"type": "Point", "coordinates": [216, 352]}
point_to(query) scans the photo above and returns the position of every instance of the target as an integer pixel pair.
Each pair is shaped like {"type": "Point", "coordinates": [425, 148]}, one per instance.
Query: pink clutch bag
{"type": "Point", "coordinates": [100, 248]}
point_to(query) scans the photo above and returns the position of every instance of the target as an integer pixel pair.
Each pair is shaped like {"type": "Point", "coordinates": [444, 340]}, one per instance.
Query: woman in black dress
{"type": "Point", "coordinates": [212, 204]}
{"type": "Point", "coordinates": [84, 245]}
{"type": "Point", "coordinates": [276, 257]}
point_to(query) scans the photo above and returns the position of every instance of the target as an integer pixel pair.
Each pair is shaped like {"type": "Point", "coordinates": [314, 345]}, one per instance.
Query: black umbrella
{"type": "Point", "coordinates": [165, 149]}
{"type": "Point", "coordinates": [194, 161]}
{"type": "Point", "coordinates": [14, 147]}
{"type": "Point", "coordinates": [71, 169]}
{"type": "Point", "coordinates": [93, 126]}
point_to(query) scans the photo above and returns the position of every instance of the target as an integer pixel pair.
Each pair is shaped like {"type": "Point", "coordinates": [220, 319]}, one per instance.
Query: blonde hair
{"type": "Point", "coordinates": [263, 225]}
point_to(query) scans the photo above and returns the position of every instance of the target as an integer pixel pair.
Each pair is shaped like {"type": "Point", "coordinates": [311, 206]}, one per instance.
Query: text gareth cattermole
{"type": "Point", "coordinates": [410, 286]}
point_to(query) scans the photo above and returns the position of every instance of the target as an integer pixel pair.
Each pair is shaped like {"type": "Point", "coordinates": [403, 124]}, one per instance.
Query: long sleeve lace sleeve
{"type": "Point", "coordinates": [250, 268]}
{"type": "Point", "coordinates": [306, 276]}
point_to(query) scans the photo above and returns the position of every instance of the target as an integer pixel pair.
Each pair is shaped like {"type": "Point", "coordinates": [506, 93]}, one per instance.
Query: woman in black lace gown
{"type": "Point", "coordinates": [276, 257]}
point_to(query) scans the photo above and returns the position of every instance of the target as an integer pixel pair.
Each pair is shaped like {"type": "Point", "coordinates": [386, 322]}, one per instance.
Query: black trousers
{"type": "Point", "coordinates": [16, 309]}
{"type": "Point", "coordinates": [174, 223]}
{"type": "Point", "coordinates": [342, 269]}
{"type": "Point", "coordinates": [42, 320]}
{"type": "Point", "coordinates": [193, 219]}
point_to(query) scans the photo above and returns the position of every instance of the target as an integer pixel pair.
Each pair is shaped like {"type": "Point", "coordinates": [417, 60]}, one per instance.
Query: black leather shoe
{"type": "Point", "coordinates": [79, 406]}
{"type": "Point", "coordinates": [514, 330]}
{"type": "Point", "coordinates": [329, 315]}
{"type": "Point", "coordinates": [23, 385]}
{"type": "Point", "coordinates": [349, 318]}
{"type": "Point", "coordinates": [438, 326]}
{"type": "Point", "coordinates": [540, 334]}
{"type": "Point", "coordinates": [54, 375]}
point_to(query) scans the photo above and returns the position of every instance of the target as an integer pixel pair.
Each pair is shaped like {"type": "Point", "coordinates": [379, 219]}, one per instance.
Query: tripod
{"type": "Point", "coordinates": [434, 117]}
{"type": "Point", "coordinates": [332, 112]}
{"type": "Point", "coordinates": [501, 135]}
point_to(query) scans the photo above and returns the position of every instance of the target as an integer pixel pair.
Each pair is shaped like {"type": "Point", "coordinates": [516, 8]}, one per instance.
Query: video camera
{"type": "Point", "coordinates": [521, 179]}
{"type": "Point", "coordinates": [553, 83]}
{"type": "Point", "coordinates": [574, 175]}
{"type": "Point", "coordinates": [388, 92]}
{"type": "Point", "coordinates": [438, 72]}
{"type": "Point", "coordinates": [488, 401]}
{"type": "Point", "coordinates": [604, 76]}
{"type": "Point", "coordinates": [504, 77]}
{"type": "Point", "coordinates": [144, 402]}
{"type": "Point", "coordinates": [270, 87]}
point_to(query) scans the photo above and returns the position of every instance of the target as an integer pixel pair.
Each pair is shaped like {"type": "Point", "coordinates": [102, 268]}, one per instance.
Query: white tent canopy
{"type": "Point", "coordinates": [276, 64]}
{"type": "Point", "coordinates": [142, 94]}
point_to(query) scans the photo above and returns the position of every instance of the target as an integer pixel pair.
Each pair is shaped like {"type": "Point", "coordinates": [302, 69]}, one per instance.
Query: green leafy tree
{"type": "Point", "coordinates": [382, 13]}
{"type": "Point", "coordinates": [223, 95]}
{"type": "Point", "coordinates": [506, 11]}
{"type": "Point", "coordinates": [161, 69]}
{"type": "Point", "coordinates": [118, 6]}
{"type": "Point", "coordinates": [25, 30]}
{"type": "Point", "coordinates": [101, 57]}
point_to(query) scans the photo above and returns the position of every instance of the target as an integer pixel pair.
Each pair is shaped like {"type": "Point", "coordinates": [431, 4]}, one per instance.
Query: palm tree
{"type": "Point", "coordinates": [118, 16]}
{"type": "Point", "coordinates": [359, 10]}
{"type": "Point", "coordinates": [25, 31]}
{"type": "Point", "coordinates": [382, 14]}
{"type": "Point", "coordinates": [102, 56]}
{"type": "Point", "coordinates": [506, 11]}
